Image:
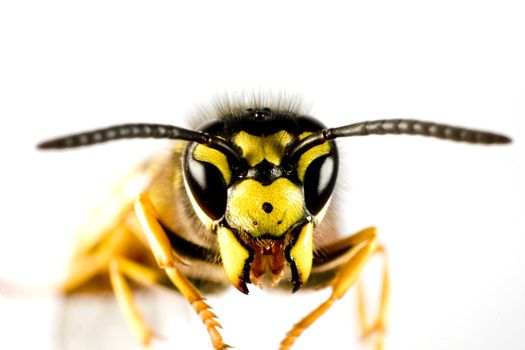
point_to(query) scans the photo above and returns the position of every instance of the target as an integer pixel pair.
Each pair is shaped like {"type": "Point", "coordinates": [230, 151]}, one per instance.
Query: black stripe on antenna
{"type": "Point", "coordinates": [134, 131]}
{"type": "Point", "coordinates": [397, 127]}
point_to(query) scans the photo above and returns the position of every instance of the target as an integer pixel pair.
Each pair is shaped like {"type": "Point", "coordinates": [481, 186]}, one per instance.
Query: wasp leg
{"type": "Point", "coordinates": [88, 265]}
{"type": "Point", "coordinates": [379, 325]}
{"type": "Point", "coordinates": [166, 259]}
{"type": "Point", "coordinates": [360, 247]}
{"type": "Point", "coordinates": [119, 268]}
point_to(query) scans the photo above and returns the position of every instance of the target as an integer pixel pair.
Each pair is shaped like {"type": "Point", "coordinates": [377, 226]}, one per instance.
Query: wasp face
{"type": "Point", "coordinates": [265, 207]}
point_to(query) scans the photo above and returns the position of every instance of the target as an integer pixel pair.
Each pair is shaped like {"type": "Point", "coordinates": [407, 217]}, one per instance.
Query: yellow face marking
{"type": "Point", "coordinates": [233, 255]}
{"type": "Point", "coordinates": [214, 157]}
{"type": "Point", "coordinates": [255, 149]}
{"type": "Point", "coordinates": [302, 252]}
{"type": "Point", "coordinates": [246, 207]}
{"type": "Point", "coordinates": [309, 156]}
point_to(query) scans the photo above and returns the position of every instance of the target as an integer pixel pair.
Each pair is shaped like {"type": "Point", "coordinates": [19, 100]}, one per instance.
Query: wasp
{"type": "Point", "coordinates": [241, 200]}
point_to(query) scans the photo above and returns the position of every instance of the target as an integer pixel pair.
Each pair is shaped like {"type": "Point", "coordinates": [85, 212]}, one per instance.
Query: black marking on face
{"type": "Point", "coordinates": [296, 280]}
{"type": "Point", "coordinates": [244, 278]}
{"type": "Point", "coordinates": [272, 122]}
{"type": "Point", "coordinates": [266, 173]}
{"type": "Point", "coordinates": [267, 207]}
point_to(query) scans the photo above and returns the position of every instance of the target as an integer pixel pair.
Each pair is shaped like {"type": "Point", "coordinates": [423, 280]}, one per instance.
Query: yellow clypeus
{"type": "Point", "coordinates": [246, 207]}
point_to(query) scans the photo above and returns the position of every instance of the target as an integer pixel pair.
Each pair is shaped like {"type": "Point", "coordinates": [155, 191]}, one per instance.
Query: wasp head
{"type": "Point", "coordinates": [263, 208]}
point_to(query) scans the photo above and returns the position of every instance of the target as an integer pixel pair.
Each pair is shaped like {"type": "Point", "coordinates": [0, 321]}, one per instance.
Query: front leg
{"type": "Point", "coordinates": [360, 247]}
{"type": "Point", "coordinates": [167, 260]}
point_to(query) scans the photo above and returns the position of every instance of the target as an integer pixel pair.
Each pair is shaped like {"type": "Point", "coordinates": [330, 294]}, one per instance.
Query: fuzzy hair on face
{"type": "Point", "coordinates": [234, 105]}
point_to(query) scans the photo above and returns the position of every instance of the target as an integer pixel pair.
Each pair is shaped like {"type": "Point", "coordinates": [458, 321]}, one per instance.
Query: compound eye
{"type": "Point", "coordinates": [207, 174]}
{"type": "Point", "coordinates": [319, 182]}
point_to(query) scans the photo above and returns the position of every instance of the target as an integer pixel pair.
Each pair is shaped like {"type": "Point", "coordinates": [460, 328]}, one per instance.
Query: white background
{"type": "Point", "coordinates": [450, 215]}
